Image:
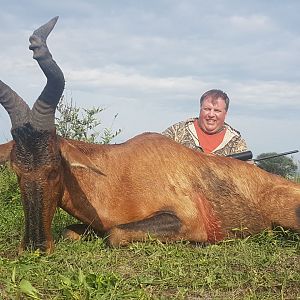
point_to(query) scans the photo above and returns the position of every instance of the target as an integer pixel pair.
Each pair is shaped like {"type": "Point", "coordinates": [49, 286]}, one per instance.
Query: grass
{"type": "Point", "coordinates": [265, 266]}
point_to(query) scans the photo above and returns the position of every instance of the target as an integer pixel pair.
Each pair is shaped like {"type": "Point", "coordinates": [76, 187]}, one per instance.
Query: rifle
{"type": "Point", "coordinates": [247, 155]}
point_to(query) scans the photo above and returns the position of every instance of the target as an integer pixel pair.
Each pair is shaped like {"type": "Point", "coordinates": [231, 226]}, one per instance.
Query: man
{"type": "Point", "coordinates": [209, 133]}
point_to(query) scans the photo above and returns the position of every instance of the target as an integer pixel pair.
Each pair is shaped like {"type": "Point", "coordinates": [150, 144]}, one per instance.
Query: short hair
{"type": "Point", "coordinates": [214, 95]}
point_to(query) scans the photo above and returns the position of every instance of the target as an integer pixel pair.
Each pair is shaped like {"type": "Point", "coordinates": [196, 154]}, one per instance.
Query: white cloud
{"type": "Point", "coordinates": [123, 78]}
{"type": "Point", "coordinates": [265, 93]}
{"type": "Point", "coordinates": [252, 23]}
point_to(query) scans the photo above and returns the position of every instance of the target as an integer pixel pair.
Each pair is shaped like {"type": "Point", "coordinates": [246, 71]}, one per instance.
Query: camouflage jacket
{"type": "Point", "coordinates": [185, 133]}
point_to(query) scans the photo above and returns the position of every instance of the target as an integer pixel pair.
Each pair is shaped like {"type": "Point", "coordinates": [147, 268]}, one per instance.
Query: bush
{"type": "Point", "coordinates": [282, 165]}
{"type": "Point", "coordinates": [74, 124]}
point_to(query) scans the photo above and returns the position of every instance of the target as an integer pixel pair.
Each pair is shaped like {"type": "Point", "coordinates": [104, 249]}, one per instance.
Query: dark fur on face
{"type": "Point", "coordinates": [32, 148]}
{"type": "Point", "coordinates": [37, 162]}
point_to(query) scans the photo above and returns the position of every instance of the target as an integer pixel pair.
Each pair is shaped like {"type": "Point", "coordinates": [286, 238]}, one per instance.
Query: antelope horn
{"type": "Point", "coordinates": [16, 107]}
{"type": "Point", "coordinates": [43, 111]}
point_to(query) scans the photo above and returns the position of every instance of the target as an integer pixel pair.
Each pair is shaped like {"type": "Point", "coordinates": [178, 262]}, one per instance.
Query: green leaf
{"type": "Point", "coordinates": [13, 275]}
{"type": "Point", "coordinates": [65, 281]}
{"type": "Point", "coordinates": [27, 288]}
{"type": "Point", "coordinates": [81, 277]}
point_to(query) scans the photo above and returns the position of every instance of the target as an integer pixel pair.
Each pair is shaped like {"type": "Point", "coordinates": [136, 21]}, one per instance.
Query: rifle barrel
{"type": "Point", "coordinates": [276, 155]}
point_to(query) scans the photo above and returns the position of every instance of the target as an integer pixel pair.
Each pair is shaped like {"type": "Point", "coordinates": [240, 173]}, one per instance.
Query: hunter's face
{"type": "Point", "coordinates": [212, 115]}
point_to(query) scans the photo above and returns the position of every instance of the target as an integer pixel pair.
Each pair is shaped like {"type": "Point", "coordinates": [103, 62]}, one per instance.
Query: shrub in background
{"type": "Point", "coordinates": [282, 165]}
{"type": "Point", "coordinates": [82, 125]}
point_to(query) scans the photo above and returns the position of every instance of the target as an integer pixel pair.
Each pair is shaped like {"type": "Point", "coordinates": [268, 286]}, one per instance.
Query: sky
{"type": "Point", "coordinates": [148, 62]}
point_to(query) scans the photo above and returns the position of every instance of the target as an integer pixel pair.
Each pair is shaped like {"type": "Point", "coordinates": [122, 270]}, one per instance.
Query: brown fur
{"type": "Point", "coordinates": [107, 186]}
{"type": "Point", "coordinates": [5, 150]}
{"type": "Point", "coordinates": [110, 185]}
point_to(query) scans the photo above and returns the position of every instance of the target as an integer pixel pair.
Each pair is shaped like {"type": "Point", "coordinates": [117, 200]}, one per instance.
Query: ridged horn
{"type": "Point", "coordinates": [43, 111]}
{"type": "Point", "coordinates": [16, 107]}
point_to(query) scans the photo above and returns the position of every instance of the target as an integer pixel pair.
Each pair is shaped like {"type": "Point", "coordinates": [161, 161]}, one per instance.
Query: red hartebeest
{"type": "Point", "coordinates": [148, 185]}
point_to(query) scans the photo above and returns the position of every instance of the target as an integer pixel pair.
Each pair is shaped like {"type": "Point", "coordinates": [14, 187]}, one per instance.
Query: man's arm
{"type": "Point", "coordinates": [170, 132]}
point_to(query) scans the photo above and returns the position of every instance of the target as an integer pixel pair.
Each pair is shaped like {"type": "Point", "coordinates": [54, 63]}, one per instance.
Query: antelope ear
{"type": "Point", "coordinates": [5, 150]}
{"type": "Point", "coordinates": [75, 158]}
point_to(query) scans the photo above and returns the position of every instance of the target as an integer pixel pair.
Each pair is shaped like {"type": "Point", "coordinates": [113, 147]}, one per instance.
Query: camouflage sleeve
{"type": "Point", "coordinates": [175, 132]}
{"type": "Point", "coordinates": [169, 132]}
{"type": "Point", "coordinates": [241, 145]}
{"type": "Point", "coordinates": [180, 133]}
{"type": "Point", "coordinates": [235, 145]}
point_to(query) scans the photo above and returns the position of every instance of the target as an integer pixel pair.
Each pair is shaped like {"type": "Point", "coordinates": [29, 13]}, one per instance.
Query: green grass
{"type": "Point", "coordinates": [265, 266]}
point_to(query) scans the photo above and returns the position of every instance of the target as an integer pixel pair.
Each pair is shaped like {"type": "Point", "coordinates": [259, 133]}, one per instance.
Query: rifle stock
{"type": "Point", "coordinates": [247, 155]}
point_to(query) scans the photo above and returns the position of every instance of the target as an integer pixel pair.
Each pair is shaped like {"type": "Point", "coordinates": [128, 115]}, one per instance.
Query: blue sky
{"type": "Point", "coordinates": [149, 62]}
